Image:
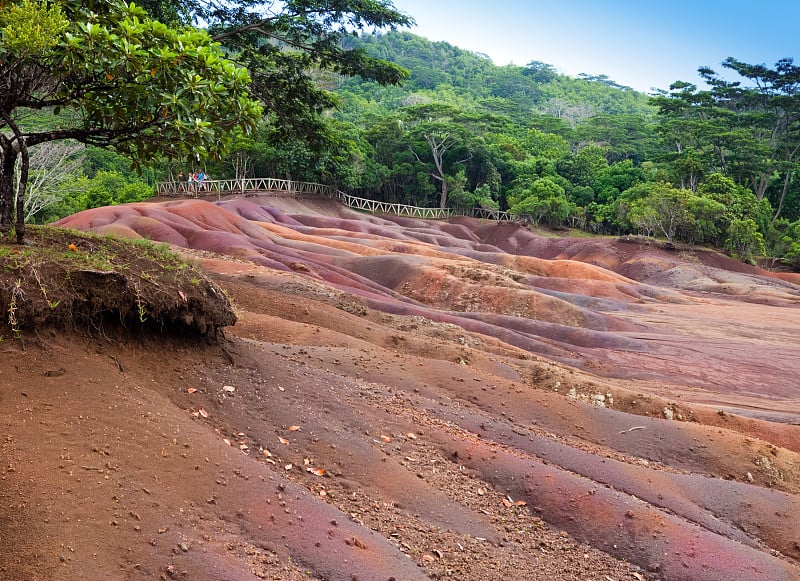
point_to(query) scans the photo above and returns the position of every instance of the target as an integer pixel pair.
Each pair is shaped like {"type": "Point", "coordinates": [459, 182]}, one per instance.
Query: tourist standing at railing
{"type": "Point", "coordinates": [192, 183]}
{"type": "Point", "coordinates": [201, 177]}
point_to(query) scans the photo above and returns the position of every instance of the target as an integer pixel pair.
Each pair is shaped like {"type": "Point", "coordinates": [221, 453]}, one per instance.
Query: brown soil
{"type": "Point", "coordinates": [402, 399]}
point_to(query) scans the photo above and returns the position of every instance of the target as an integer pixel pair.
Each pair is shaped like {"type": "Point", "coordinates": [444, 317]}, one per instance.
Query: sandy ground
{"type": "Point", "coordinates": [404, 399]}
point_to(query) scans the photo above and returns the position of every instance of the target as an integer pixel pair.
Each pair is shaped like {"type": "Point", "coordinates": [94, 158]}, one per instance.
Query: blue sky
{"type": "Point", "coordinates": [641, 44]}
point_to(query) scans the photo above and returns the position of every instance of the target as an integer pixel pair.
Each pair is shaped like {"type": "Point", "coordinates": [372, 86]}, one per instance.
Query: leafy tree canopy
{"type": "Point", "coordinates": [288, 47]}
{"type": "Point", "coordinates": [112, 77]}
{"type": "Point", "coordinates": [747, 129]}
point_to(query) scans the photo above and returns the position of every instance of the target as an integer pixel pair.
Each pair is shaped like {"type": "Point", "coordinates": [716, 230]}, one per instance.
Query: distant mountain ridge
{"type": "Point", "coordinates": [439, 69]}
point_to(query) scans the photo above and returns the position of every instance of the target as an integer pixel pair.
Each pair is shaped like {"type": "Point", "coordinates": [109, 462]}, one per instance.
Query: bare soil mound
{"type": "Point", "coordinates": [410, 399]}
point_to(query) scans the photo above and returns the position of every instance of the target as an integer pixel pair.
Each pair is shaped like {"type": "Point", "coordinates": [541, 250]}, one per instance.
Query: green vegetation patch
{"type": "Point", "coordinates": [74, 280]}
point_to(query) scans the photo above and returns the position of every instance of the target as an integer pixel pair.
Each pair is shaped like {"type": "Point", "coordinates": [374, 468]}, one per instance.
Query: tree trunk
{"type": "Point", "coordinates": [786, 181]}
{"type": "Point", "coordinates": [23, 181]}
{"type": "Point", "coordinates": [443, 197]}
{"type": "Point", "coordinates": [21, 187]}
{"type": "Point", "coordinates": [760, 184]}
{"type": "Point", "coordinates": [8, 158]}
{"type": "Point", "coordinates": [439, 146]}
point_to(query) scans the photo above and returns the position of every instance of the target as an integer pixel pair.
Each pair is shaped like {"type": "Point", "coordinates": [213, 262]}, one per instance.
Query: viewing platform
{"type": "Point", "coordinates": [274, 186]}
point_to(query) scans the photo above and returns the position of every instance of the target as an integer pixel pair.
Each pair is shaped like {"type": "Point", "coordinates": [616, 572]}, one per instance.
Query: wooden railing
{"type": "Point", "coordinates": [257, 186]}
{"type": "Point", "coordinates": [243, 187]}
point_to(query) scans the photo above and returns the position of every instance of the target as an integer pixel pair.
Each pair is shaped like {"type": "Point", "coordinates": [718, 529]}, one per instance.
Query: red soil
{"type": "Point", "coordinates": [486, 403]}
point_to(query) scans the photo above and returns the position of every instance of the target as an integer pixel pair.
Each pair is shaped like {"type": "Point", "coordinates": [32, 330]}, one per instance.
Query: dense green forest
{"type": "Point", "coordinates": [712, 166]}
{"type": "Point", "coordinates": [708, 163]}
